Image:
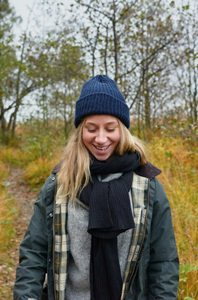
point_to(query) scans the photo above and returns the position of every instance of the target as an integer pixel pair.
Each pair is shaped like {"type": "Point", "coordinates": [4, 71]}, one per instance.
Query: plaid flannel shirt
{"type": "Point", "coordinates": [140, 187]}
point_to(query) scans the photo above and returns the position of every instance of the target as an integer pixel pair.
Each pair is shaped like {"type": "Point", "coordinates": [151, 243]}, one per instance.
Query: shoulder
{"type": "Point", "coordinates": [158, 188]}
{"type": "Point", "coordinates": [158, 198]}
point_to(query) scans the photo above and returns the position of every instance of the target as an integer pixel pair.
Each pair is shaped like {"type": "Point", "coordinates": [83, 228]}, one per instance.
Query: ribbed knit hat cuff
{"type": "Point", "coordinates": [103, 104]}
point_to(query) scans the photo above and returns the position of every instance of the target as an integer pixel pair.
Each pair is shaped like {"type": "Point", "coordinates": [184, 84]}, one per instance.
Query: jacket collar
{"type": "Point", "coordinates": [148, 170]}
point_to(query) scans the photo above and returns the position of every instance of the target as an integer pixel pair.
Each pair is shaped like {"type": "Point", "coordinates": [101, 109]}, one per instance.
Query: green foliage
{"type": "Point", "coordinates": [185, 269]}
{"type": "Point", "coordinates": [44, 65]}
{"type": "Point", "coordinates": [172, 4]}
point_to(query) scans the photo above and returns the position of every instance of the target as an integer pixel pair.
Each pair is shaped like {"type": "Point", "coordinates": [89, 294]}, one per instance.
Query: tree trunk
{"type": "Point", "coordinates": [195, 93]}
{"type": "Point", "coordinates": [115, 42]}
{"type": "Point", "coordinates": [147, 105]}
{"type": "Point", "coordinates": [105, 53]}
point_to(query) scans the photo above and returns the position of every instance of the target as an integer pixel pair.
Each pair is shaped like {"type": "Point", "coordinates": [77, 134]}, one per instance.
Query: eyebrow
{"type": "Point", "coordinates": [108, 123]}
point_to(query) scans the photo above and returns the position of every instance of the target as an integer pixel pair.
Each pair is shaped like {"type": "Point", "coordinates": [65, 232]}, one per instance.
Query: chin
{"type": "Point", "coordinates": [101, 158]}
{"type": "Point", "coordinates": [105, 158]}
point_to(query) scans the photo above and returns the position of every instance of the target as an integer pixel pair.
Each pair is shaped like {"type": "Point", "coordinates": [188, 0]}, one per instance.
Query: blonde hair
{"type": "Point", "coordinates": [75, 167]}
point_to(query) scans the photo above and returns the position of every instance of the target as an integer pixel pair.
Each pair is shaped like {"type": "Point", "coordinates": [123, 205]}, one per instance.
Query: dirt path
{"type": "Point", "coordinates": [21, 192]}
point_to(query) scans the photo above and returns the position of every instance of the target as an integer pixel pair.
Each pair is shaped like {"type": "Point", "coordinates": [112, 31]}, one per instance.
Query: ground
{"type": "Point", "coordinates": [25, 198]}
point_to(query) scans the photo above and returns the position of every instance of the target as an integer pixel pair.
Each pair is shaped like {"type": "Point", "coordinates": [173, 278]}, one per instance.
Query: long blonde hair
{"type": "Point", "coordinates": [75, 166]}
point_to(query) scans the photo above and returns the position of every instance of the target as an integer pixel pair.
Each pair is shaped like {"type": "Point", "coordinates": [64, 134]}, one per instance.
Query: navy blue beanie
{"type": "Point", "coordinates": [101, 96]}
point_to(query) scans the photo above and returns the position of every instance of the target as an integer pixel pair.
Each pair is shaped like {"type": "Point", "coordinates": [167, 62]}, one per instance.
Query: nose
{"type": "Point", "coordinates": [100, 137]}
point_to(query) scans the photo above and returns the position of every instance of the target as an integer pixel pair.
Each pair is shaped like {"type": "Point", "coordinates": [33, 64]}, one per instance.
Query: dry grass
{"type": "Point", "coordinates": [12, 156]}
{"type": "Point", "coordinates": [178, 159]}
{"type": "Point", "coordinates": [3, 171]}
{"type": "Point", "coordinates": [8, 212]}
{"type": "Point", "coordinates": [36, 172]}
{"type": "Point", "coordinates": [8, 215]}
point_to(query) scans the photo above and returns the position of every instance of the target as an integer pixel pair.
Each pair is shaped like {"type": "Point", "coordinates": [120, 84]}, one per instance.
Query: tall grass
{"type": "Point", "coordinates": [178, 159]}
{"type": "Point", "coordinates": [36, 172]}
{"type": "Point", "coordinates": [12, 156]}
{"type": "Point", "coordinates": [8, 215]}
{"type": "Point", "coordinates": [3, 170]}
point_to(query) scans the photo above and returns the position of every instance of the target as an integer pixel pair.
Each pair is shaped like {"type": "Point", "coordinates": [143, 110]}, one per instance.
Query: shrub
{"type": "Point", "coordinates": [37, 171]}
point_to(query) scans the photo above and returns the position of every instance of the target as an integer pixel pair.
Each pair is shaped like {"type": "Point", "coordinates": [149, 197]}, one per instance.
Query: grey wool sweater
{"type": "Point", "coordinates": [78, 286]}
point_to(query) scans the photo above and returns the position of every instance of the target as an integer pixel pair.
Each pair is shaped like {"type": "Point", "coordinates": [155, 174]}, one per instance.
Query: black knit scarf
{"type": "Point", "coordinates": [109, 215]}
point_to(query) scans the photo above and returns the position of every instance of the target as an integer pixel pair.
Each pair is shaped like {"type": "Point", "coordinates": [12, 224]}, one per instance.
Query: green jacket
{"type": "Point", "coordinates": [153, 275]}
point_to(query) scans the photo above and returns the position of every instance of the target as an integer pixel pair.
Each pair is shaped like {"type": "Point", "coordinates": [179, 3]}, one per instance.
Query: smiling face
{"type": "Point", "coordinates": [101, 135]}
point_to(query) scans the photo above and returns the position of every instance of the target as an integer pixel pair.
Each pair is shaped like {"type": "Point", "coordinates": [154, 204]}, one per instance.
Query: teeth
{"type": "Point", "coordinates": [102, 148]}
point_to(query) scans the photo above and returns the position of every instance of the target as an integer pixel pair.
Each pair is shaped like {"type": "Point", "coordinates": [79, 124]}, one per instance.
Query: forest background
{"type": "Point", "coordinates": [150, 48]}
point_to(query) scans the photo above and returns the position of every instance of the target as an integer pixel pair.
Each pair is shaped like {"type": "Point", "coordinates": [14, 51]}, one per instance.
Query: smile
{"type": "Point", "coordinates": [102, 148]}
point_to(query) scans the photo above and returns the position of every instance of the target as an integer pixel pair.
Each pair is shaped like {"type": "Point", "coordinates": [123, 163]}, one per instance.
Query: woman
{"type": "Point", "coordinates": [104, 230]}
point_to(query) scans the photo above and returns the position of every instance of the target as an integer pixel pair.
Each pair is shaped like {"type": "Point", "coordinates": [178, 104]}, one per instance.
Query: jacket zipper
{"type": "Point", "coordinates": [54, 238]}
{"type": "Point", "coordinates": [141, 242]}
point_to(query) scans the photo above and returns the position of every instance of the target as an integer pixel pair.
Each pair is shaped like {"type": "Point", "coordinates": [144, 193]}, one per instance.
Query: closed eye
{"type": "Point", "coordinates": [91, 130]}
{"type": "Point", "coordinates": [110, 129]}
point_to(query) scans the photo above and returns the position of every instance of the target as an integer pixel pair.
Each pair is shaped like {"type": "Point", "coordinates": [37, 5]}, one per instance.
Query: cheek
{"type": "Point", "coordinates": [117, 137]}
{"type": "Point", "coordinates": [85, 137]}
